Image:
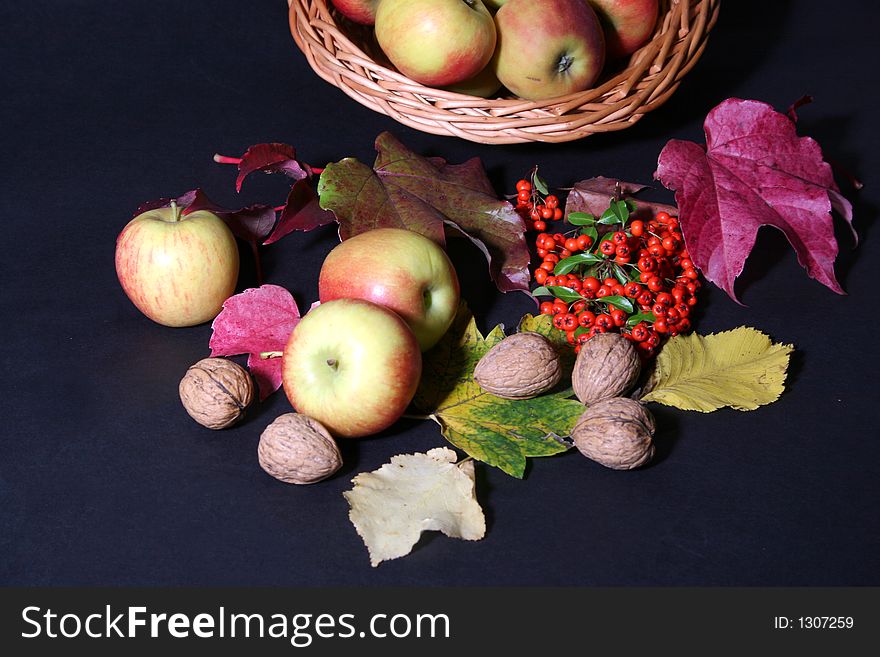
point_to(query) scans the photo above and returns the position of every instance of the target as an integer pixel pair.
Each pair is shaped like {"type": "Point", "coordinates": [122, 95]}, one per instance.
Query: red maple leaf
{"type": "Point", "coordinates": [753, 171]}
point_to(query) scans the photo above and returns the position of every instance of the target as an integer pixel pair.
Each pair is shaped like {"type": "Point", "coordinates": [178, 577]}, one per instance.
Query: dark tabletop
{"type": "Point", "coordinates": [105, 480]}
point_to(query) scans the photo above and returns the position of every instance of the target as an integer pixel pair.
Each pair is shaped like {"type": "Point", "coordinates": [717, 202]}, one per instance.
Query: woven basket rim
{"type": "Point", "coordinates": [652, 75]}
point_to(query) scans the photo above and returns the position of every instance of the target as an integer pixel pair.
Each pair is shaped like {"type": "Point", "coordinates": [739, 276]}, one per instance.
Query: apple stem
{"type": "Point", "coordinates": [266, 355]}
{"type": "Point", "coordinates": [224, 159]}
{"type": "Point", "coordinates": [564, 64]}
{"type": "Point", "coordinates": [175, 211]}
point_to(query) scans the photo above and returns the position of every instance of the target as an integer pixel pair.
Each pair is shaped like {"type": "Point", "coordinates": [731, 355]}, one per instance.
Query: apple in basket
{"type": "Point", "coordinates": [628, 24]}
{"type": "Point", "coordinates": [484, 84]}
{"type": "Point", "coordinates": [436, 42]}
{"type": "Point", "coordinates": [359, 11]}
{"type": "Point", "coordinates": [548, 49]}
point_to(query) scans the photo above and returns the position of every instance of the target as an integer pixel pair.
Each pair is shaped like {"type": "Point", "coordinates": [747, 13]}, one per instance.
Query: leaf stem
{"type": "Point", "coordinates": [224, 159]}
{"type": "Point", "coordinates": [410, 416]}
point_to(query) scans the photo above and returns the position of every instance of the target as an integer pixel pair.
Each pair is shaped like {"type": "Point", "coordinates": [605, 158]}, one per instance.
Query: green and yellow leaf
{"type": "Point", "coordinates": [500, 432]}
{"type": "Point", "coordinates": [742, 369]}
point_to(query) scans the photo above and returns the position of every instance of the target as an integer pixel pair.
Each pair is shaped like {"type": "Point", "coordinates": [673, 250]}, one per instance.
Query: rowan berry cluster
{"type": "Point", "coordinates": [611, 273]}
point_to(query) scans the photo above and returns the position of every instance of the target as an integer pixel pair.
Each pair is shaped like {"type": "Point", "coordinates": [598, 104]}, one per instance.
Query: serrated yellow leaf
{"type": "Point", "coordinates": [742, 369]}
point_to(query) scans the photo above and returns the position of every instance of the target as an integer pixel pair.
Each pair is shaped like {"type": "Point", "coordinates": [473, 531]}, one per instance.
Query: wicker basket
{"type": "Point", "coordinates": [345, 55]}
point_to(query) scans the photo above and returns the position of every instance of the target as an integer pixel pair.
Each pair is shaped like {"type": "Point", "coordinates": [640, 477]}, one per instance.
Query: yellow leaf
{"type": "Point", "coordinates": [741, 368]}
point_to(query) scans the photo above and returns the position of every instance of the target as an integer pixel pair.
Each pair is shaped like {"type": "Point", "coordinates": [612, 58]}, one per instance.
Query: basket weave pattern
{"type": "Point", "coordinates": [346, 56]}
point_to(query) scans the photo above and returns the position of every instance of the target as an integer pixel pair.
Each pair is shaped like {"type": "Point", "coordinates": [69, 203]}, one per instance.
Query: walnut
{"type": "Point", "coordinates": [521, 366]}
{"type": "Point", "coordinates": [616, 432]}
{"type": "Point", "coordinates": [298, 450]}
{"type": "Point", "coordinates": [607, 366]}
{"type": "Point", "coordinates": [216, 392]}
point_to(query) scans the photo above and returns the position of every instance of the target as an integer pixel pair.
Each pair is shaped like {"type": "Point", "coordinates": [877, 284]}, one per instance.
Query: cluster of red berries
{"type": "Point", "coordinates": [634, 277]}
{"type": "Point", "coordinates": [536, 209]}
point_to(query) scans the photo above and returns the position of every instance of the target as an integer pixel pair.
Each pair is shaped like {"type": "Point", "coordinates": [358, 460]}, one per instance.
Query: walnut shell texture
{"type": "Point", "coordinates": [216, 392]}
{"type": "Point", "coordinates": [616, 432]}
{"type": "Point", "coordinates": [607, 366]}
{"type": "Point", "coordinates": [521, 366]}
{"type": "Point", "coordinates": [297, 449]}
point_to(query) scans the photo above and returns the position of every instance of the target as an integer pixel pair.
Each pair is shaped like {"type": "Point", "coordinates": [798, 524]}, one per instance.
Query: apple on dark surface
{"type": "Point", "coordinates": [359, 11]}
{"type": "Point", "coordinates": [352, 365]}
{"type": "Point", "coordinates": [436, 42]}
{"type": "Point", "coordinates": [399, 269]}
{"type": "Point", "coordinates": [178, 269]}
{"type": "Point", "coordinates": [548, 49]}
{"type": "Point", "coordinates": [628, 24]}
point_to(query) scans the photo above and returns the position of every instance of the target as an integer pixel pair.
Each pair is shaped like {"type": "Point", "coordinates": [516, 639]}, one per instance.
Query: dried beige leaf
{"type": "Point", "coordinates": [392, 506]}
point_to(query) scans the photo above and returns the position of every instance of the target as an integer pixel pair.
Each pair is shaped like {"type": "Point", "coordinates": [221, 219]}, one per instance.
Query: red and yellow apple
{"type": "Point", "coordinates": [548, 49]}
{"type": "Point", "coordinates": [436, 42]}
{"type": "Point", "coordinates": [399, 269]}
{"type": "Point", "coordinates": [484, 84]}
{"type": "Point", "coordinates": [359, 11]}
{"type": "Point", "coordinates": [178, 269]}
{"type": "Point", "coordinates": [628, 24]}
{"type": "Point", "coordinates": [352, 365]}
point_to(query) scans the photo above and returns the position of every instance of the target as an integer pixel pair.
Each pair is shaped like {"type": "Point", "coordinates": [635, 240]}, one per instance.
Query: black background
{"type": "Point", "coordinates": [104, 480]}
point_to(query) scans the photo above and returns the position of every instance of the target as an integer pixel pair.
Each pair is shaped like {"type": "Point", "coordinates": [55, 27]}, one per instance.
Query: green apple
{"type": "Point", "coordinates": [436, 42]}
{"type": "Point", "coordinates": [399, 269]}
{"type": "Point", "coordinates": [548, 49]}
{"type": "Point", "coordinates": [352, 365]}
{"type": "Point", "coordinates": [178, 269]}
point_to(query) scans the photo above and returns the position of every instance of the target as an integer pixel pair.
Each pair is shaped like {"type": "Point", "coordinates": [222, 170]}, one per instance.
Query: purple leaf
{"type": "Point", "coordinates": [270, 158]}
{"type": "Point", "coordinates": [301, 212]}
{"type": "Point", "coordinates": [593, 195]}
{"type": "Point", "coordinates": [753, 171]}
